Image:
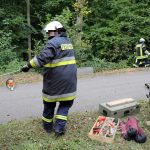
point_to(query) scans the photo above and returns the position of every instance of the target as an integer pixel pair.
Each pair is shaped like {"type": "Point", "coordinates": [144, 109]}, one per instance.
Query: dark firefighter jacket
{"type": "Point", "coordinates": [59, 75]}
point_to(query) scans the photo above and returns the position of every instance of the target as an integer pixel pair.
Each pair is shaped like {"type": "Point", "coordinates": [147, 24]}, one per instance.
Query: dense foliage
{"type": "Point", "coordinates": [116, 26]}
{"type": "Point", "coordinates": [103, 31]}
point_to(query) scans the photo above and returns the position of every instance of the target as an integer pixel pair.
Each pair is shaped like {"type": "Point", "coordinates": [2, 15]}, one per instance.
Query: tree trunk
{"type": "Point", "coordinates": [29, 24]}
{"type": "Point", "coordinates": [79, 23]}
{"type": "Point", "coordinates": [79, 20]}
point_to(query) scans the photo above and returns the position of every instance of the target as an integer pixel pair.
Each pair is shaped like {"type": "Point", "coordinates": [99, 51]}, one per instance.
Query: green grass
{"type": "Point", "coordinates": [29, 135]}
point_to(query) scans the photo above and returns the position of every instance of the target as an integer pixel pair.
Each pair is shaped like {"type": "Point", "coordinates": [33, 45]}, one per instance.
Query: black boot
{"type": "Point", "coordinates": [59, 127]}
{"type": "Point", "coordinates": [59, 133]}
{"type": "Point", "coordinates": [48, 127]}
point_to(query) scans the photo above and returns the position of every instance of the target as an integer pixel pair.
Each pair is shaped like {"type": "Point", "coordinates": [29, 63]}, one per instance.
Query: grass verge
{"type": "Point", "coordinates": [29, 135]}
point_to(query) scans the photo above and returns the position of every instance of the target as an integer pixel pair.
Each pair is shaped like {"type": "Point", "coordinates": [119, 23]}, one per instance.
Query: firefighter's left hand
{"type": "Point", "coordinates": [25, 68]}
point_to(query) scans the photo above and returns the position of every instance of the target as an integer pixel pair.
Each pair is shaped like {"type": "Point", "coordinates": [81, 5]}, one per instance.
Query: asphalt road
{"type": "Point", "coordinates": [25, 101]}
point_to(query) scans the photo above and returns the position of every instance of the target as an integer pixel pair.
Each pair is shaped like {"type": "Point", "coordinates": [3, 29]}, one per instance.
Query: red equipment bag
{"type": "Point", "coordinates": [132, 127]}
{"type": "Point", "coordinates": [122, 127]}
{"type": "Point", "coordinates": [130, 130]}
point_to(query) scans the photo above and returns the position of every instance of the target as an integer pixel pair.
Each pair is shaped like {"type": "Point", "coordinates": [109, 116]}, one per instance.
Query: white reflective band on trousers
{"type": "Point", "coordinates": [63, 97]}
{"type": "Point", "coordinates": [47, 120]}
{"type": "Point", "coordinates": [61, 117]}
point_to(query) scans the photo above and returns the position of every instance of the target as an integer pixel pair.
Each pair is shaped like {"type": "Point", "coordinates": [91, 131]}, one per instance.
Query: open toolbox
{"type": "Point", "coordinates": [104, 129]}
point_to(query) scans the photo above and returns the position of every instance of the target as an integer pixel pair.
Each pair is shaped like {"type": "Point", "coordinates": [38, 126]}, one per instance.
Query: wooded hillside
{"type": "Point", "coordinates": [103, 31]}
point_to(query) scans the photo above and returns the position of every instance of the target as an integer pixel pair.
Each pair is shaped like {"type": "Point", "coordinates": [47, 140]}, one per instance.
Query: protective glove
{"type": "Point", "coordinates": [25, 68]}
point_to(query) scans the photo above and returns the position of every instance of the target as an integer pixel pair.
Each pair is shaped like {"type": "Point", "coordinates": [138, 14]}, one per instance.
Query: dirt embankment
{"type": "Point", "coordinates": [21, 78]}
{"type": "Point", "coordinates": [31, 77]}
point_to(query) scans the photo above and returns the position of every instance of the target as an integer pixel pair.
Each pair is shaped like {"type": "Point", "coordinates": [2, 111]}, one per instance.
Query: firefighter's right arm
{"type": "Point", "coordinates": [147, 53]}
{"type": "Point", "coordinates": [145, 50]}
{"type": "Point", "coordinates": [44, 57]}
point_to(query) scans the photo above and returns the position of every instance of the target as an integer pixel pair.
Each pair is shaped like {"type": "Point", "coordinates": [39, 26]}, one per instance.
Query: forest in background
{"type": "Point", "coordinates": [103, 32]}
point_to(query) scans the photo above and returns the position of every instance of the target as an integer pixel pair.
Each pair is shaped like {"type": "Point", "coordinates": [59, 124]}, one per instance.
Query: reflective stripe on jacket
{"type": "Point", "coordinates": [60, 72]}
{"type": "Point", "coordinates": [140, 51]}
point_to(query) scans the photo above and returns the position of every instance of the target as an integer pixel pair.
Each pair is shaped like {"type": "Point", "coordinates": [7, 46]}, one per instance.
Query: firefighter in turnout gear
{"type": "Point", "coordinates": [59, 77]}
{"type": "Point", "coordinates": [141, 58]}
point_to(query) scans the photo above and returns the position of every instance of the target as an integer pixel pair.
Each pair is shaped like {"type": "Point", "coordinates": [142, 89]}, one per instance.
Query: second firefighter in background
{"type": "Point", "coordinates": [141, 58]}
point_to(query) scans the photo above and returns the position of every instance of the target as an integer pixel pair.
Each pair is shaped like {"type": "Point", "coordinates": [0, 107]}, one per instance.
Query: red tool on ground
{"type": "Point", "coordinates": [96, 129]}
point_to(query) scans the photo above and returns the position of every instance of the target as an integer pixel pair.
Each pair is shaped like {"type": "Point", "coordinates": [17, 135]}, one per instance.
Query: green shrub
{"type": "Point", "coordinates": [6, 49]}
{"type": "Point", "coordinates": [8, 58]}
{"type": "Point", "coordinates": [101, 64]}
{"type": "Point", "coordinates": [12, 66]}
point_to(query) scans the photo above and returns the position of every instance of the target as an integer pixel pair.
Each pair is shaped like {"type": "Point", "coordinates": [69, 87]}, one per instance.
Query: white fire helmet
{"type": "Point", "coordinates": [52, 26]}
{"type": "Point", "coordinates": [141, 40]}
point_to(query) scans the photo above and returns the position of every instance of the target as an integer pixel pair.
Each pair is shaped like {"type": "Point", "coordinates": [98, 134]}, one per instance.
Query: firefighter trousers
{"type": "Point", "coordinates": [60, 117]}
